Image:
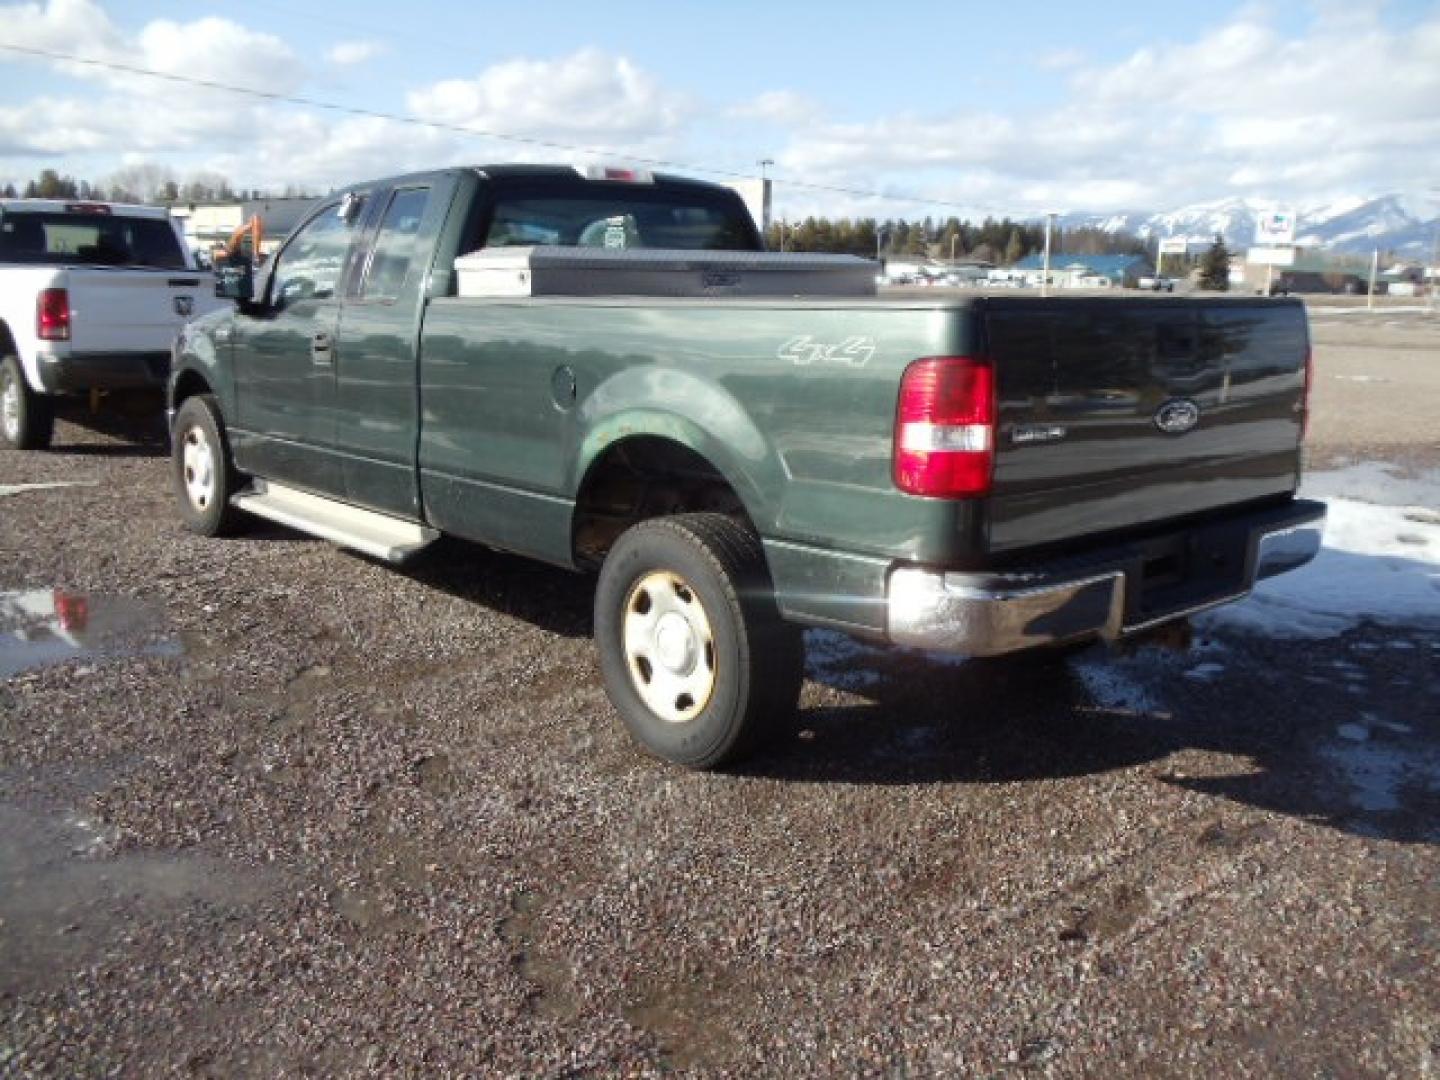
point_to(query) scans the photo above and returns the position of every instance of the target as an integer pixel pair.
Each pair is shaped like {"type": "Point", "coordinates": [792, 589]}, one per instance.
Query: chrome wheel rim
{"type": "Point", "coordinates": [197, 462]}
{"type": "Point", "coordinates": [10, 407]}
{"type": "Point", "coordinates": [669, 646]}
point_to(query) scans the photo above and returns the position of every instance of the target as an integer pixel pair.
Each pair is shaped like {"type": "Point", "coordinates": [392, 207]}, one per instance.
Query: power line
{"type": "Point", "coordinates": [461, 129]}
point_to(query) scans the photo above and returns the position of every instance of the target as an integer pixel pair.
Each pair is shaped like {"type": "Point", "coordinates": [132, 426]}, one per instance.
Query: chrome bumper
{"type": "Point", "coordinates": [987, 614]}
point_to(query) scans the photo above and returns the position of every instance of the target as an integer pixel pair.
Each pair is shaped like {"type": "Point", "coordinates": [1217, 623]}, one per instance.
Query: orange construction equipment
{"type": "Point", "coordinates": [236, 247]}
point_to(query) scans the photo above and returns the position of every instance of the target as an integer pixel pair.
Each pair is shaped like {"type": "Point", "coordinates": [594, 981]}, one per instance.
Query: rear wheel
{"type": "Point", "coordinates": [27, 419]}
{"type": "Point", "coordinates": [205, 477]}
{"type": "Point", "coordinates": [692, 648]}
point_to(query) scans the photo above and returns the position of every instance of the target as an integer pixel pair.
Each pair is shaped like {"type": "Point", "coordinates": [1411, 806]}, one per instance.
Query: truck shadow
{"type": "Point", "coordinates": [136, 421]}
{"type": "Point", "coordinates": [549, 597]}
{"type": "Point", "coordinates": [1279, 732]}
{"type": "Point", "coordinates": [1263, 735]}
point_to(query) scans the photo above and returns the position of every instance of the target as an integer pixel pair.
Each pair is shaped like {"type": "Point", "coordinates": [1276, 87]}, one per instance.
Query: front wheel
{"type": "Point", "coordinates": [205, 477]}
{"type": "Point", "coordinates": [693, 651]}
{"type": "Point", "coordinates": [27, 419]}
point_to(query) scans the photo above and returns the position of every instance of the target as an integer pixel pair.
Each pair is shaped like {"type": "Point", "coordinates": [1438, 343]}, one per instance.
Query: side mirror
{"type": "Point", "coordinates": [235, 281]}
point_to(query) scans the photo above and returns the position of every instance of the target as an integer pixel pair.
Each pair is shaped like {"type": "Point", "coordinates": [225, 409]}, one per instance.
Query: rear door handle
{"type": "Point", "coordinates": [320, 343]}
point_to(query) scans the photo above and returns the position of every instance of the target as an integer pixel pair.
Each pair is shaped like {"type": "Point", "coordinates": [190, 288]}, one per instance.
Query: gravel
{"type": "Point", "coordinates": [301, 813]}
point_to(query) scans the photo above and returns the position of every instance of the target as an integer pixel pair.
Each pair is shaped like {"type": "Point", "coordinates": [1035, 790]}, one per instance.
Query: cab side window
{"type": "Point", "coordinates": [395, 245]}
{"type": "Point", "coordinates": [311, 265]}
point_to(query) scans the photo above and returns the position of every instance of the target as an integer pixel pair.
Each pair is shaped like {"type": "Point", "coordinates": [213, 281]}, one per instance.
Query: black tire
{"type": "Point", "coordinates": [27, 419]}
{"type": "Point", "coordinates": [755, 659]}
{"type": "Point", "coordinates": [204, 495]}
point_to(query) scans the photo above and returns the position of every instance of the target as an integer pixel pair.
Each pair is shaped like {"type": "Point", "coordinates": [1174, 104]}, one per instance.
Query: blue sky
{"type": "Point", "coordinates": [980, 108]}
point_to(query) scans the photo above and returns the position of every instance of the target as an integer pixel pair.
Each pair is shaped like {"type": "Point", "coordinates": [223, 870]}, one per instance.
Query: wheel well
{"type": "Point", "coordinates": [187, 386]}
{"type": "Point", "coordinates": [645, 477]}
{"type": "Point", "coordinates": [7, 342]}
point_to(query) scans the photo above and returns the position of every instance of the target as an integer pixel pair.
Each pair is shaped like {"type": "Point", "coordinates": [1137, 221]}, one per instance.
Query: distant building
{"type": "Point", "coordinates": [209, 225]}
{"type": "Point", "coordinates": [1306, 272]}
{"type": "Point", "coordinates": [1088, 271]}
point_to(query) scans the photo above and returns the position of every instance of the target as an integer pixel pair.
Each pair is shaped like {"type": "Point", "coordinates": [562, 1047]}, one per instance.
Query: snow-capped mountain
{"type": "Point", "coordinates": [1405, 225]}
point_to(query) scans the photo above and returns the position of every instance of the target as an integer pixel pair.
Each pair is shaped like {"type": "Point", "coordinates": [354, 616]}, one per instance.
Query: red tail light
{"type": "Point", "coordinates": [52, 315]}
{"type": "Point", "coordinates": [945, 427]}
{"type": "Point", "coordinates": [1305, 393]}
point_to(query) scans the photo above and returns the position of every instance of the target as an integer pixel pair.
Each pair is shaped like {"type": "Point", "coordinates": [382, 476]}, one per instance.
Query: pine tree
{"type": "Point", "coordinates": [9, 192]}
{"type": "Point", "coordinates": [1014, 247]}
{"type": "Point", "coordinates": [1215, 267]}
{"type": "Point", "coordinates": [918, 243]}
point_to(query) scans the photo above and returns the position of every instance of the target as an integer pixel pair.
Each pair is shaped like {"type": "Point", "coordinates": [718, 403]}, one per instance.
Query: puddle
{"type": "Point", "coordinates": [41, 627]}
{"type": "Point", "coordinates": [66, 898]}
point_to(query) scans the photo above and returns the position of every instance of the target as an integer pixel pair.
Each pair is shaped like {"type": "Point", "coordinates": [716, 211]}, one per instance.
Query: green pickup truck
{"type": "Point", "coordinates": [971, 474]}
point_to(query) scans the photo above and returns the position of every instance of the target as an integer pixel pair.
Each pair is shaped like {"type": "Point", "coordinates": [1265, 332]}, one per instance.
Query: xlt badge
{"type": "Point", "coordinates": [1025, 434]}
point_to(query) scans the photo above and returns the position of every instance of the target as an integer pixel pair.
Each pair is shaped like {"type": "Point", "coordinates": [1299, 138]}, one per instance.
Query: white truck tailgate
{"type": "Point", "coordinates": [134, 310]}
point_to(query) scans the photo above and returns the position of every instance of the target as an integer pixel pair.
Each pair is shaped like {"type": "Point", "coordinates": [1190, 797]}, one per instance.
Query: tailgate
{"type": "Point", "coordinates": [1120, 413]}
{"type": "Point", "coordinates": [130, 310]}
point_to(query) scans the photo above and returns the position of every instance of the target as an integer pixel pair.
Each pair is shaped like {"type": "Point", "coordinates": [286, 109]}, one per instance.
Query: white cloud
{"type": "Point", "coordinates": [209, 48]}
{"type": "Point", "coordinates": [784, 107]}
{"type": "Point", "coordinates": [350, 53]}
{"type": "Point", "coordinates": [1345, 107]}
{"type": "Point", "coordinates": [588, 97]}
{"type": "Point", "coordinates": [1243, 110]}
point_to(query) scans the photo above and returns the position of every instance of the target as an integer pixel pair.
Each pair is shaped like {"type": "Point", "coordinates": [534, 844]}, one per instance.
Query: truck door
{"type": "Point", "coordinates": [285, 358]}
{"type": "Point", "coordinates": [377, 403]}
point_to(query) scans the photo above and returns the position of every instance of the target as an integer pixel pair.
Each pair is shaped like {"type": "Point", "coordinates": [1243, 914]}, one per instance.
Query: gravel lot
{"type": "Point", "coordinates": [294, 812]}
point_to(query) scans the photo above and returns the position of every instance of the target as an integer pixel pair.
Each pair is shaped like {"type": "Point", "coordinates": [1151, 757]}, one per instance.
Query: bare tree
{"type": "Point", "coordinates": [145, 182]}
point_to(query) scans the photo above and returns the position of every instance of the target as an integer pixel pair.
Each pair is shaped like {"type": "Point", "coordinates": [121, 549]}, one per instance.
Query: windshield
{"type": "Point", "coordinates": [89, 240]}
{"type": "Point", "coordinates": [621, 216]}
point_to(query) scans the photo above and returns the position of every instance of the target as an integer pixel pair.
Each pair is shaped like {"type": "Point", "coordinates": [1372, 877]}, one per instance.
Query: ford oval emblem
{"type": "Point", "coordinates": [1177, 416]}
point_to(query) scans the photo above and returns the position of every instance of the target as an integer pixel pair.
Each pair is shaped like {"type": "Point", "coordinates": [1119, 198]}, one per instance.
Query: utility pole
{"type": "Point", "coordinates": [1435, 269]}
{"type": "Point", "coordinates": [1434, 275]}
{"type": "Point", "coordinates": [1045, 274]}
{"type": "Point", "coordinates": [765, 164]}
{"type": "Point", "coordinates": [1374, 270]}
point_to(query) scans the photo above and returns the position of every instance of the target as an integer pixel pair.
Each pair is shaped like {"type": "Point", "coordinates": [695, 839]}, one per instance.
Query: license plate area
{"type": "Point", "coordinates": [1183, 570]}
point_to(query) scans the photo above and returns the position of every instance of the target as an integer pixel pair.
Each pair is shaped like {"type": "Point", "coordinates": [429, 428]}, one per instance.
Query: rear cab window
{"type": "Point", "coordinates": [89, 238]}
{"type": "Point", "coordinates": [394, 263]}
{"type": "Point", "coordinates": [618, 216]}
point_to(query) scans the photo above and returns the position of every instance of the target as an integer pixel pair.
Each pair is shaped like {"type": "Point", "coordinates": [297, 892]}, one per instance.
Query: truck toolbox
{"type": "Point", "coordinates": [579, 271]}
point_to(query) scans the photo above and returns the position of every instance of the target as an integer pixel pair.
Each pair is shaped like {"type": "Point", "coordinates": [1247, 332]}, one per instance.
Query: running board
{"type": "Point", "coordinates": [379, 535]}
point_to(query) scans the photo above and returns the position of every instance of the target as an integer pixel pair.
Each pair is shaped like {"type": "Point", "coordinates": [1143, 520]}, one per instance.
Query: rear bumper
{"type": "Point", "coordinates": [1105, 594]}
{"type": "Point", "coordinates": [74, 372]}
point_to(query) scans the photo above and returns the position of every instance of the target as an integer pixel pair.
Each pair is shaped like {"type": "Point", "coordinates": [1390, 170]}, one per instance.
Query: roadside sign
{"type": "Point", "coordinates": [1271, 256]}
{"type": "Point", "coordinates": [1275, 227]}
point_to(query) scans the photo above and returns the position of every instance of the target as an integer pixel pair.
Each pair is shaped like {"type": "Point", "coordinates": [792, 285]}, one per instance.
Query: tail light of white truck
{"type": "Point", "coordinates": [945, 428]}
{"type": "Point", "coordinates": [52, 315]}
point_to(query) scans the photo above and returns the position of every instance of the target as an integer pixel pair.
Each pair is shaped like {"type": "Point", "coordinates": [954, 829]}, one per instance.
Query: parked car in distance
{"type": "Point", "coordinates": [92, 295]}
{"type": "Point", "coordinates": [1156, 284]}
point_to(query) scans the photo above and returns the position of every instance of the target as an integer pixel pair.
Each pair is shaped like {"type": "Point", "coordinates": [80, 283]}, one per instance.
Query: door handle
{"type": "Point", "coordinates": [320, 345]}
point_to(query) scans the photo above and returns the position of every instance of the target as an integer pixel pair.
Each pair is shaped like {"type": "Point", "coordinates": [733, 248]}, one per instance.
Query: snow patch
{"type": "Point", "coordinates": [839, 661]}
{"type": "Point", "coordinates": [1380, 563]}
{"type": "Point", "coordinates": [1114, 682]}
{"type": "Point", "coordinates": [1379, 771]}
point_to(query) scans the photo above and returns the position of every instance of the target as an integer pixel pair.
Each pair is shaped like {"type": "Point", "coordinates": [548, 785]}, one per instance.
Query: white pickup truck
{"type": "Point", "coordinates": [92, 296]}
